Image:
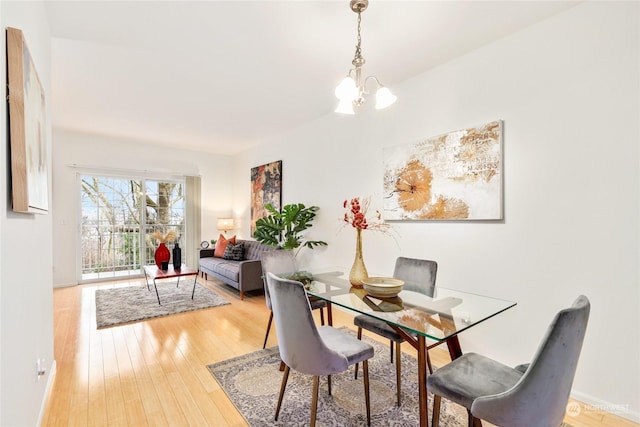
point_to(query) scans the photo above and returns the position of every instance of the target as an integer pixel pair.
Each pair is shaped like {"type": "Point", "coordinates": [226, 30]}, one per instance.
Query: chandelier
{"type": "Point", "coordinates": [352, 89]}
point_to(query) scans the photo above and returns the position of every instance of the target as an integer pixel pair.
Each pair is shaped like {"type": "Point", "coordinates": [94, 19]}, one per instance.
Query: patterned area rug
{"type": "Point", "coordinates": [116, 306]}
{"type": "Point", "coordinates": [252, 382]}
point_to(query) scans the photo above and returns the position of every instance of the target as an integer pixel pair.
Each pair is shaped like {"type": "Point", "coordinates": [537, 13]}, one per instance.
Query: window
{"type": "Point", "coordinates": [117, 217]}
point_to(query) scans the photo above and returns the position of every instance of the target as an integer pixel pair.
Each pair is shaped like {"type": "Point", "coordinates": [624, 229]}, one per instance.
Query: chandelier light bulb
{"type": "Point", "coordinates": [346, 90]}
{"type": "Point", "coordinates": [384, 98]}
{"type": "Point", "coordinates": [345, 107]}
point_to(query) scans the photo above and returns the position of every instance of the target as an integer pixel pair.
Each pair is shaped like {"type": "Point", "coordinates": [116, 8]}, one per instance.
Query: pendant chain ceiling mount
{"type": "Point", "coordinates": [352, 89]}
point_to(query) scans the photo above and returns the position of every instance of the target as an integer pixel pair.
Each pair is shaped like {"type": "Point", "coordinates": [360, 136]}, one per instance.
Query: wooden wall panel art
{"type": "Point", "coordinates": [27, 129]}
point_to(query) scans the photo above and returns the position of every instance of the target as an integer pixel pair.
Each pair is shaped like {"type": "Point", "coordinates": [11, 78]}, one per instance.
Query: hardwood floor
{"type": "Point", "coordinates": [154, 372]}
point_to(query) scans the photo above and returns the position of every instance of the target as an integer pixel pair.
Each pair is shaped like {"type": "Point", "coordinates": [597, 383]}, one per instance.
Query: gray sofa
{"type": "Point", "coordinates": [245, 275]}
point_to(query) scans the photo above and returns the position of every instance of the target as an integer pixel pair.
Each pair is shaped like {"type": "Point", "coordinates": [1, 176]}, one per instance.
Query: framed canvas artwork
{"type": "Point", "coordinates": [27, 129]}
{"type": "Point", "coordinates": [455, 176]}
{"type": "Point", "coordinates": [266, 187]}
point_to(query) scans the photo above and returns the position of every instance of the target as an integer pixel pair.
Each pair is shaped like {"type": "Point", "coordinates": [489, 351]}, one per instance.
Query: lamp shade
{"type": "Point", "coordinates": [225, 224]}
{"type": "Point", "coordinates": [384, 98]}
{"type": "Point", "coordinates": [345, 107]}
{"type": "Point", "coordinates": [346, 90]}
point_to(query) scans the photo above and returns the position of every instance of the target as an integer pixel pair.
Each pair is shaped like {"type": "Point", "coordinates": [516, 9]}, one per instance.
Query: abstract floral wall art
{"type": "Point", "coordinates": [455, 176]}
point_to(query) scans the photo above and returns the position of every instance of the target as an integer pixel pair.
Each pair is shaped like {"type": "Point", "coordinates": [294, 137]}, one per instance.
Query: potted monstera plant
{"type": "Point", "coordinates": [285, 229]}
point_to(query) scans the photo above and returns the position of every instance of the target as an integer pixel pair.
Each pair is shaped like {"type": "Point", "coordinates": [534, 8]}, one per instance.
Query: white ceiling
{"type": "Point", "coordinates": [221, 76]}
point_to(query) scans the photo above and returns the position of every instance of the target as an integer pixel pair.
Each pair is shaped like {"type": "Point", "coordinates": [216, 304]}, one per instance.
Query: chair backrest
{"type": "Point", "coordinates": [419, 275]}
{"type": "Point", "coordinates": [300, 344]}
{"type": "Point", "coordinates": [540, 397]}
{"type": "Point", "coordinates": [276, 262]}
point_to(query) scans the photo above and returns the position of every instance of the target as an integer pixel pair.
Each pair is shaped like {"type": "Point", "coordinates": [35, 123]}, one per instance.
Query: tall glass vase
{"type": "Point", "coordinates": [358, 270]}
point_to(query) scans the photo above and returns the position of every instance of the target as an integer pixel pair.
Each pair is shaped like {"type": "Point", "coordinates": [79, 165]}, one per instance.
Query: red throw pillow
{"type": "Point", "coordinates": [221, 245]}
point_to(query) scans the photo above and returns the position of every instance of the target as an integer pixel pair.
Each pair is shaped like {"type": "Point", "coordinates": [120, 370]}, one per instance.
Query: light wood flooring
{"type": "Point", "coordinates": [154, 372]}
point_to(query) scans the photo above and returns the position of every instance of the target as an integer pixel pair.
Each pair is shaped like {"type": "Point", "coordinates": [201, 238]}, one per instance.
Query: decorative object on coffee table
{"type": "Point", "coordinates": [162, 253]}
{"type": "Point", "coordinates": [177, 256]}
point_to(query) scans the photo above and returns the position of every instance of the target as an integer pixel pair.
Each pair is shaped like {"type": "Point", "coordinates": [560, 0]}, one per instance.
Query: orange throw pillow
{"type": "Point", "coordinates": [221, 245]}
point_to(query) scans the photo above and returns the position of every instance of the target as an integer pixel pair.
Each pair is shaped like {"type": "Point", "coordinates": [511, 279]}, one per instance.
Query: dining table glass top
{"type": "Point", "coordinates": [439, 316]}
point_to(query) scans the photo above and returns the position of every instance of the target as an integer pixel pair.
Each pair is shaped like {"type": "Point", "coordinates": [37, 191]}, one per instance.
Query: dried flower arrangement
{"type": "Point", "coordinates": [171, 236]}
{"type": "Point", "coordinates": [356, 215]}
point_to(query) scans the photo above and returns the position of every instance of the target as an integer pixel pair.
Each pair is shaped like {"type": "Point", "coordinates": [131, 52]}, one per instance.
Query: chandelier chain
{"type": "Point", "coordinates": [358, 50]}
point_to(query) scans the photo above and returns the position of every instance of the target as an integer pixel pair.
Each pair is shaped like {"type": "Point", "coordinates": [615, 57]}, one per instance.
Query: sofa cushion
{"type": "Point", "coordinates": [228, 269]}
{"type": "Point", "coordinates": [234, 252]}
{"type": "Point", "coordinates": [221, 245]}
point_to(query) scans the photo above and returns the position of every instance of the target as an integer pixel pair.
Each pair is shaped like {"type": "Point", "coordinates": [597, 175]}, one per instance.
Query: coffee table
{"type": "Point", "coordinates": [153, 272]}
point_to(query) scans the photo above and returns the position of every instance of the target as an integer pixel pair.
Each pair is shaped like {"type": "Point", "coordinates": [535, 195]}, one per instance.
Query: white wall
{"type": "Point", "coordinates": [26, 295]}
{"type": "Point", "coordinates": [567, 90]}
{"type": "Point", "coordinates": [128, 158]}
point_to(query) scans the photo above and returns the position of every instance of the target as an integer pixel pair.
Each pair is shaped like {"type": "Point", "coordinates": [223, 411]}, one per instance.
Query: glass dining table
{"type": "Point", "coordinates": [415, 316]}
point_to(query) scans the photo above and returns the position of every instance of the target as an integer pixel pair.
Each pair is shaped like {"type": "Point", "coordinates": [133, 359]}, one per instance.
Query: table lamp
{"type": "Point", "coordinates": [225, 224]}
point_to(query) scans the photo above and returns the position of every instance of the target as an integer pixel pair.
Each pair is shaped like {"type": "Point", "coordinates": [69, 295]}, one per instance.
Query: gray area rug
{"type": "Point", "coordinates": [116, 306]}
{"type": "Point", "coordinates": [252, 382]}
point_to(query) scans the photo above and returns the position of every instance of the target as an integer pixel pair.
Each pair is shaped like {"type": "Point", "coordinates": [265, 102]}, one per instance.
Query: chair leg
{"type": "Point", "coordinates": [469, 418]}
{"type": "Point", "coordinates": [356, 368]}
{"type": "Point", "coordinates": [365, 370]}
{"type": "Point", "coordinates": [322, 316]}
{"type": "Point", "coordinates": [429, 363]}
{"type": "Point", "coordinates": [314, 399]}
{"type": "Point", "coordinates": [283, 385]}
{"type": "Point", "coordinates": [435, 421]}
{"type": "Point", "coordinates": [398, 371]}
{"type": "Point", "coordinates": [329, 384]}
{"type": "Point", "coordinates": [264, 345]}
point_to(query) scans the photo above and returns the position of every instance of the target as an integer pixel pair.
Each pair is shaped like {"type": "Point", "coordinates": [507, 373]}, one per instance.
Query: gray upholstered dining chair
{"type": "Point", "coordinates": [533, 395]}
{"type": "Point", "coordinates": [278, 262]}
{"type": "Point", "coordinates": [419, 275]}
{"type": "Point", "coordinates": [309, 349]}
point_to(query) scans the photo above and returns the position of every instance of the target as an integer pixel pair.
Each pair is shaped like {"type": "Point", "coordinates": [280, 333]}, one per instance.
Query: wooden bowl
{"type": "Point", "coordinates": [382, 287]}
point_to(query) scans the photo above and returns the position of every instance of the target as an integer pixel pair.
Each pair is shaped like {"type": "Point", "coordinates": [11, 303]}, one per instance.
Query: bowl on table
{"type": "Point", "coordinates": [382, 287]}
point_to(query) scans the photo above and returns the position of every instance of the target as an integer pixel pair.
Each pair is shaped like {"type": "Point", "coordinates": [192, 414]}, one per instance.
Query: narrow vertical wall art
{"type": "Point", "coordinates": [28, 131]}
{"type": "Point", "coordinates": [455, 176]}
{"type": "Point", "coordinates": [266, 188]}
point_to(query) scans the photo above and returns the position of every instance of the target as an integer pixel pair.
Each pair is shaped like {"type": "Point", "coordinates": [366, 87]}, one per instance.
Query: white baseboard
{"type": "Point", "coordinates": [592, 404]}
{"type": "Point", "coordinates": [64, 285]}
{"type": "Point", "coordinates": [45, 399]}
